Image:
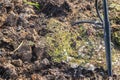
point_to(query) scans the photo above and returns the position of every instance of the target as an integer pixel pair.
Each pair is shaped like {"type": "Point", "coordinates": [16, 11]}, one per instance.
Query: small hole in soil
{"type": "Point", "coordinates": [34, 56]}
{"type": "Point", "coordinates": [8, 9]}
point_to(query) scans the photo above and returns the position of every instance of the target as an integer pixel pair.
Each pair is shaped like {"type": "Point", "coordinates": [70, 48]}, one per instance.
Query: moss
{"type": "Point", "coordinates": [63, 42]}
{"type": "Point", "coordinates": [115, 6]}
{"type": "Point", "coordinates": [59, 41]}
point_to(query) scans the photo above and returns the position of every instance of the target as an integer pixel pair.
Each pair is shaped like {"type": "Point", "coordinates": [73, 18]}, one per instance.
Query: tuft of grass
{"type": "Point", "coordinates": [35, 4]}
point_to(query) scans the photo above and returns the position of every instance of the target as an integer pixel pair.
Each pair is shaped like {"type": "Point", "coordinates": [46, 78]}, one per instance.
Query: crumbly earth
{"type": "Point", "coordinates": [39, 42]}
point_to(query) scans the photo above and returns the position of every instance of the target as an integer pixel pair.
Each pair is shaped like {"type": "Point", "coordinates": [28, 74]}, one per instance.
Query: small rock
{"type": "Point", "coordinates": [61, 77]}
{"type": "Point", "coordinates": [74, 65]}
{"type": "Point", "coordinates": [19, 28]}
{"type": "Point", "coordinates": [80, 51]}
{"type": "Point", "coordinates": [45, 61]}
{"type": "Point", "coordinates": [90, 66]}
{"type": "Point", "coordinates": [37, 77]}
{"type": "Point", "coordinates": [17, 63]}
{"type": "Point", "coordinates": [54, 71]}
{"type": "Point", "coordinates": [2, 19]}
{"type": "Point", "coordinates": [41, 64]}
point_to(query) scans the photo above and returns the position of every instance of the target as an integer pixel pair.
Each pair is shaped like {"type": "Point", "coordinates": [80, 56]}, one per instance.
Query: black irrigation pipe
{"type": "Point", "coordinates": [107, 33]}
{"type": "Point", "coordinates": [92, 22]}
{"type": "Point", "coordinates": [87, 21]}
{"type": "Point", "coordinates": [98, 13]}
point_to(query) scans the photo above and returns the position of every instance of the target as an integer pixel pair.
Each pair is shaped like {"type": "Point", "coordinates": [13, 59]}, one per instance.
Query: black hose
{"type": "Point", "coordinates": [107, 33]}
{"type": "Point", "coordinates": [107, 37]}
{"type": "Point", "coordinates": [98, 13]}
{"type": "Point", "coordinates": [87, 21]}
{"type": "Point", "coordinates": [91, 22]}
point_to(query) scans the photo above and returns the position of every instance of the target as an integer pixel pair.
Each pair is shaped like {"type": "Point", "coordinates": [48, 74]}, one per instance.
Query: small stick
{"type": "Point", "coordinates": [17, 47]}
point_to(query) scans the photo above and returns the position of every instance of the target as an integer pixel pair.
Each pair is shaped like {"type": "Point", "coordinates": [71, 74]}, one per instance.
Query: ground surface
{"type": "Point", "coordinates": [39, 42]}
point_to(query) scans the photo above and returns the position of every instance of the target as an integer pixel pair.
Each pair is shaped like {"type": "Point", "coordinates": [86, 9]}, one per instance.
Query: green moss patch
{"type": "Point", "coordinates": [65, 42]}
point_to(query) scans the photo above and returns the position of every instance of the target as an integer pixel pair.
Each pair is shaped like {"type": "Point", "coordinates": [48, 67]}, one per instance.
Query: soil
{"type": "Point", "coordinates": [23, 47]}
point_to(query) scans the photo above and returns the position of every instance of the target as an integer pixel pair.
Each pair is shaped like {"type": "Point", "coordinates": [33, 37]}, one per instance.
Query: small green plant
{"type": "Point", "coordinates": [36, 4]}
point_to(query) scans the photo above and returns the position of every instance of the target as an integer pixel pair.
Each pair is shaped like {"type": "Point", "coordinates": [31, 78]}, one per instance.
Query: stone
{"type": "Point", "coordinates": [45, 61]}
{"type": "Point", "coordinates": [90, 66]}
{"type": "Point", "coordinates": [2, 19]}
{"type": "Point", "coordinates": [17, 63]}
{"type": "Point", "coordinates": [37, 77]}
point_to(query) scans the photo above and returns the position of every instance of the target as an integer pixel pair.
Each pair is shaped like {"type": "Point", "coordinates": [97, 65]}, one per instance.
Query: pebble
{"type": "Point", "coordinates": [45, 61]}
{"type": "Point", "coordinates": [17, 63]}
{"type": "Point", "coordinates": [74, 65]}
{"type": "Point", "coordinates": [90, 66]}
{"type": "Point", "coordinates": [37, 77]}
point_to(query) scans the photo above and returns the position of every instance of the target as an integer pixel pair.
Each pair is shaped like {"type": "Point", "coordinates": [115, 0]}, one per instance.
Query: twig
{"type": "Point", "coordinates": [17, 47]}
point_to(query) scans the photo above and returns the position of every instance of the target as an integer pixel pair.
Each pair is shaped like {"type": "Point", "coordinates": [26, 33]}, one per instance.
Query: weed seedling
{"type": "Point", "coordinates": [35, 4]}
